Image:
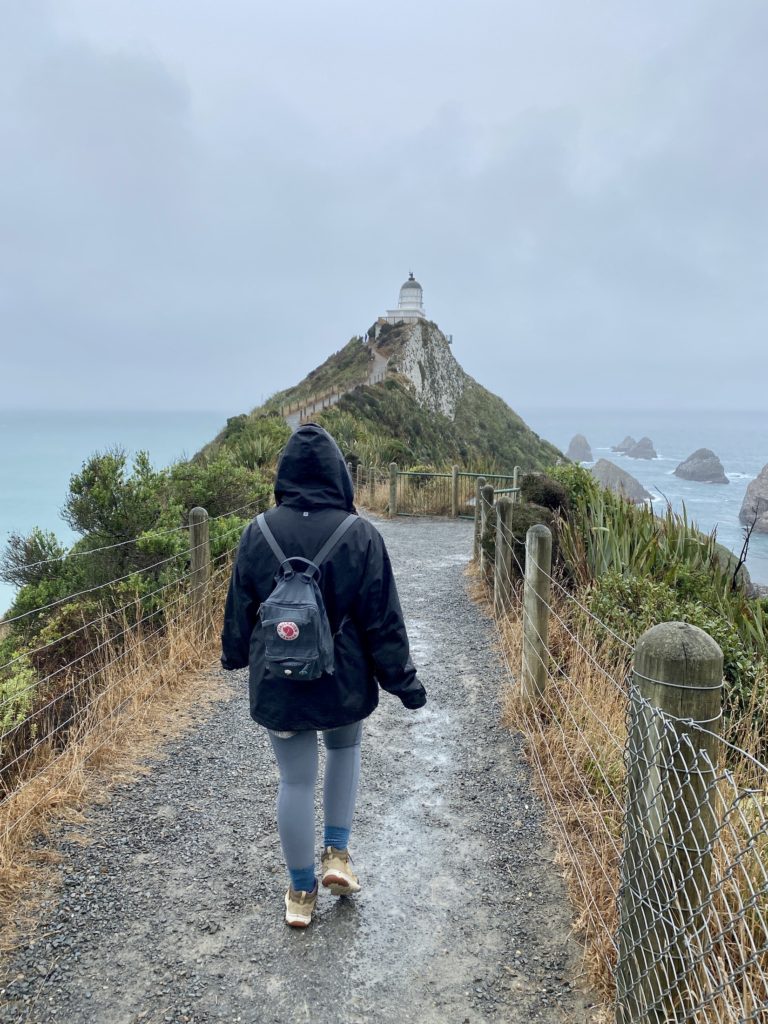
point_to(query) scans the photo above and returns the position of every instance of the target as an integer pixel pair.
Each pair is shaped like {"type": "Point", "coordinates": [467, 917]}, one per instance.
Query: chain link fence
{"type": "Point", "coordinates": [693, 899]}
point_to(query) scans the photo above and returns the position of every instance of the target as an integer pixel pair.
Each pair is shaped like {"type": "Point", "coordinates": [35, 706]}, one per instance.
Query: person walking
{"type": "Point", "coordinates": [293, 696]}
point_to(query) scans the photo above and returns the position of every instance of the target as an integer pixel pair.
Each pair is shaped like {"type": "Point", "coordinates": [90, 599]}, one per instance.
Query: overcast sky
{"type": "Point", "coordinates": [200, 201]}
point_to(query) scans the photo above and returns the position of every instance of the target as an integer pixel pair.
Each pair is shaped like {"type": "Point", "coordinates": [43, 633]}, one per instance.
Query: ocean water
{"type": "Point", "coordinates": [39, 451]}
{"type": "Point", "coordinates": [739, 439]}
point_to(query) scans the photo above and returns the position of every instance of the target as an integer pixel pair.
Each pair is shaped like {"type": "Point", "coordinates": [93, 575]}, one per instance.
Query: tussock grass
{"type": "Point", "coordinates": [151, 693]}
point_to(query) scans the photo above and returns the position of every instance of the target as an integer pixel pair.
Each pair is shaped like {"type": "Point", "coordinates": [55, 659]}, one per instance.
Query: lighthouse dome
{"type": "Point", "coordinates": [411, 284]}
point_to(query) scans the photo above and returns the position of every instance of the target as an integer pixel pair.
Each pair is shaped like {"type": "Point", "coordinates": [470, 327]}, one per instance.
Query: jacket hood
{"type": "Point", "coordinates": [312, 472]}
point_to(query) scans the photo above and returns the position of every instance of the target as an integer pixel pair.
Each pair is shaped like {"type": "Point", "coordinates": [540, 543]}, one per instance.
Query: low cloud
{"type": "Point", "coordinates": [196, 211]}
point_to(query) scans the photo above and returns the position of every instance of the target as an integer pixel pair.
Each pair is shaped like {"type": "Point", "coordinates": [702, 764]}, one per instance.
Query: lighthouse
{"type": "Point", "coordinates": [410, 306]}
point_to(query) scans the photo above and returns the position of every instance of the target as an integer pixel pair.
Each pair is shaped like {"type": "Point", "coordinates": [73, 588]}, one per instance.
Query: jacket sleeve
{"type": "Point", "coordinates": [240, 612]}
{"type": "Point", "coordinates": [381, 618]}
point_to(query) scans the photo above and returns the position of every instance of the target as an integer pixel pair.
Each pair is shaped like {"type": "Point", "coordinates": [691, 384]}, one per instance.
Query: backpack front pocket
{"type": "Point", "coordinates": [290, 635]}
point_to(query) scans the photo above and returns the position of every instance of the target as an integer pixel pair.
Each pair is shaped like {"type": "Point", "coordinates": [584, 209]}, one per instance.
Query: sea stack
{"type": "Point", "coordinates": [704, 467]}
{"type": "Point", "coordinates": [755, 504]}
{"type": "Point", "coordinates": [626, 444]}
{"type": "Point", "coordinates": [579, 450]}
{"type": "Point", "coordinates": [618, 480]}
{"type": "Point", "coordinates": [642, 450]}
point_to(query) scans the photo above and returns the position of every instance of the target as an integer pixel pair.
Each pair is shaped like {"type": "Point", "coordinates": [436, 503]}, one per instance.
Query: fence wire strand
{"type": "Point", "coordinates": [119, 579]}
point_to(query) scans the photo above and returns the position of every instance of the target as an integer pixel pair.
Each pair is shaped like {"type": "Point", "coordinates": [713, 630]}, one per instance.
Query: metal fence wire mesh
{"type": "Point", "coordinates": [693, 901]}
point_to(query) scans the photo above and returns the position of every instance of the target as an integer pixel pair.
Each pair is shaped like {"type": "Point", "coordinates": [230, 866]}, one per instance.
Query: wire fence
{"type": "Point", "coordinates": [409, 492]}
{"type": "Point", "coordinates": [56, 697]}
{"type": "Point", "coordinates": [250, 507]}
{"type": "Point", "coordinates": [660, 821]}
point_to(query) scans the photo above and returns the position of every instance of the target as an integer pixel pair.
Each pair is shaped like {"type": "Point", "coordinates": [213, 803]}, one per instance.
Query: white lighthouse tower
{"type": "Point", "coordinates": [410, 306]}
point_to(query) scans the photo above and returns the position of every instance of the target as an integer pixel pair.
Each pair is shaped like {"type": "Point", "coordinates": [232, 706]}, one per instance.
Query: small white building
{"type": "Point", "coordinates": [410, 306]}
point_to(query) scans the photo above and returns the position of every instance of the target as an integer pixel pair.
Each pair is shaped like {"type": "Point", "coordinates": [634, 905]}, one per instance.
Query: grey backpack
{"type": "Point", "coordinates": [293, 620]}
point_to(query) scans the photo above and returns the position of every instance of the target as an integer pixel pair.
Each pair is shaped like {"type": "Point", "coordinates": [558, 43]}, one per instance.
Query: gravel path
{"type": "Point", "coordinates": [173, 911]}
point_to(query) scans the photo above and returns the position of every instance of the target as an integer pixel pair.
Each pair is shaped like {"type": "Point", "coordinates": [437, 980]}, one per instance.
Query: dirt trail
{"type": "Point", "coordinates": [173, 912]}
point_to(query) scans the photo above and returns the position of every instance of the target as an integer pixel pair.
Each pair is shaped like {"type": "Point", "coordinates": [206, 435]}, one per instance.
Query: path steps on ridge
{"type": "Point", "coordinates": [173, 911]}
{"type": "Point", "coordinates": [377, 374]}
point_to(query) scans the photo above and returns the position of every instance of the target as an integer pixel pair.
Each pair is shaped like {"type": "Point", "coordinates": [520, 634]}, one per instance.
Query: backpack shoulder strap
{"type": "Point", "coordinates": [269, 537]}
{"type": "Point", "coordinates": [334, 539]}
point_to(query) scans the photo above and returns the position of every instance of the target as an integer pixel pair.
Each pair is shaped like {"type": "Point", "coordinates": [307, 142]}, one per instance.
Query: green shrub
{"type": "Point", "coordinates": [31, 558]}
{"type": "Point", "coordinates": [540, 489]}
{"type": "Point", "coordinates": [16, 697]}
{"type": "Point", "coordinates": [106, 500]}
{"type": "Point", "coordinates": [218, 483]}
{"type": "Point", "coordinates": [630, 604]}
{"type": "Point", "coordinates": [524, 516]}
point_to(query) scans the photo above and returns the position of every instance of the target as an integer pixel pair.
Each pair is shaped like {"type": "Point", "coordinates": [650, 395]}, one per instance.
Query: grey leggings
{"type": "Point", "coordinates": [297, 760]}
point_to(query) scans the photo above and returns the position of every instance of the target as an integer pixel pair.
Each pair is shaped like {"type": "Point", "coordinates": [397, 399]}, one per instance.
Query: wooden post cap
{"type": "Point", "coordinates": [677, 642]}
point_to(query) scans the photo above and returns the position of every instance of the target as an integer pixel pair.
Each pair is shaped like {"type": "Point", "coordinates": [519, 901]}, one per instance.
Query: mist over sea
{"type": "Point", "coordinates": [41, 450]}
{"type": "Point", "coordinates": [739, 439]}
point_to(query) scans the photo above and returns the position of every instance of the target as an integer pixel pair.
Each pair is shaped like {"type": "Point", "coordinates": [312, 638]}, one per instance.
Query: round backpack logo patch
{"type": "Point", "coordinates": [287, 630]}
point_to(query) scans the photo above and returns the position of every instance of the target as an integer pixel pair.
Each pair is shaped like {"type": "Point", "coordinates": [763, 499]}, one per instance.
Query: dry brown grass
{"type": "Point", "coordinates": [151, 693]}
{"type": "Point", "coordinates": [575, 743]}
{"type": "Point", "coordinates": [374, 496]}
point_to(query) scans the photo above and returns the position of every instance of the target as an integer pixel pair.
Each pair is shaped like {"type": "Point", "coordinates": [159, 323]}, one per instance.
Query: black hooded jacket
{"type": "Point", "coordinates": [313, 490]}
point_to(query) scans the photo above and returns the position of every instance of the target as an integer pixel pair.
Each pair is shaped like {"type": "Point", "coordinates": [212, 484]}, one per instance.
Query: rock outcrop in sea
{"type": "Point", "coordinates": [619, 481]}
{"type": "Point", "coordinates": [579, 450]}
{"type": "Point", "coordinates": [642, 450]}
{"type": "Point", "coordinates": [703, 466]}
{"type": "Point", "coordinates": [626, 444]}
{"type": "Point", "coordinates": [755, 502]}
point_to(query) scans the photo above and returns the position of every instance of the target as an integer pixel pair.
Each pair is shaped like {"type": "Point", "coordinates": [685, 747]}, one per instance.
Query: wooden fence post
{"type": "Point", "coordinates": [486, 508]}
{"type": "Point", "coordinates": [455, 492]}
{"type": "Point", "coordinates": [670, 822]}
{"type": "Point", "coordinates": [502, 577]}
{"type": "Point", "coordinates": [516, 483]}
{"type": "Point", "coordinates": [479, 485]}
{"type": "Point", "coordinates": [371, 484]}
{"type": "Point", "coordinates": [359, 480]}
{"type": "Point", "coordinates": [200, 563]}
{"type": "Point", "coordinates": [393, 488]}
{"type": "Point", "coordinates": [538, 566]}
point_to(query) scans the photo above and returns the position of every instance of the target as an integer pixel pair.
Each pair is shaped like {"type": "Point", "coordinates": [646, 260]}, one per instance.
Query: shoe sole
{"type": "Point", "coordinates": [297, 924]}
{"type": "Point", "coordinates": [339, 886]}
